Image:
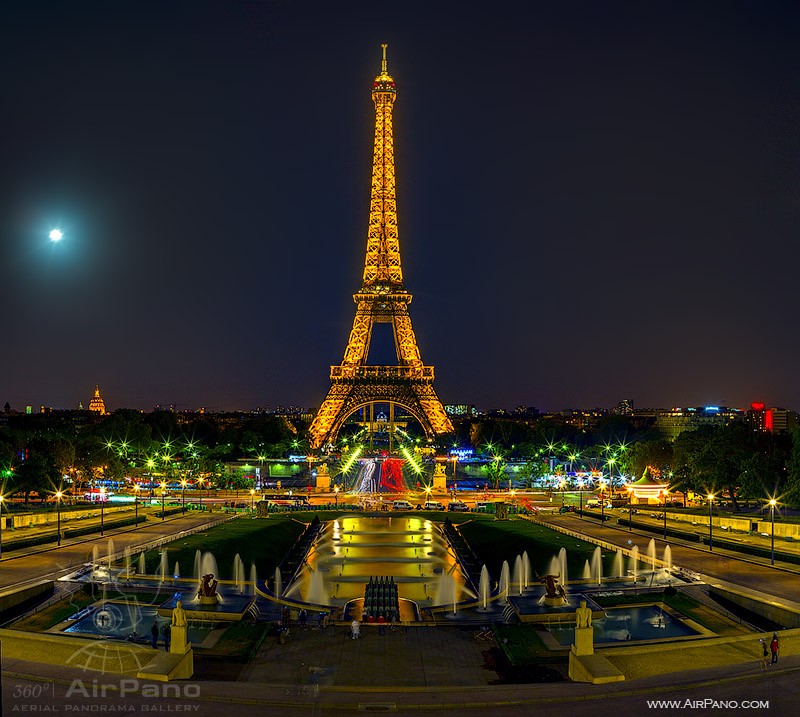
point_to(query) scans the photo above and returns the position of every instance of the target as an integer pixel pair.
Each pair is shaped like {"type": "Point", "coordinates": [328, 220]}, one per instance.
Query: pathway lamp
{"type": "Point", "coordinates": [200, 483]}
{"type": "Point", "coordinates": [710, 523]}
{"type": "Point", "coordinates": [252, 500]}
{"type": "Point", "coordinates": [772, 504]}
{"type": "Point", "coordinates": [163, 495]}
{"type": "Point", "coordinates": [580, 496]}
{"type": "Point", "coordinates": [136, 490]}
{"type": "Point", "coordinates": [666, 492]}
{"type": "Point", "coordinates": [602, 501]}
{"type": "Point", "coordinates": [336, 494]}
{"type": "Point", "coordinates": [59, 494]}
{"type": "Point", "coordinates": [102, 509]}
{"type": "Point", "coordinates": [183, 496]}
{"type": "Point", "coordinates": [2, 498]}
{"type": "Point", "coordinates": [630, 508]}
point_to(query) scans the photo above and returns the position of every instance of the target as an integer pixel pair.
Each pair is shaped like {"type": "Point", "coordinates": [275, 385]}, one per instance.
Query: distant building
{"type": "Point", "coordinates": [624, 407]}
{"type": "Point", "coordinates": [97, 404]}
{"type": "Point", "coordinates": [460, 409]}
{"type": "Point", "coordinates": [771, 420]}
{"type": "Point", "coordinates": [670, 424]}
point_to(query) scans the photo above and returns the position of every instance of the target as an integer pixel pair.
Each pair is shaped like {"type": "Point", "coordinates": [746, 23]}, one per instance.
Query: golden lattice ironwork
{"type": "Point", "coordinates": [381, 299]}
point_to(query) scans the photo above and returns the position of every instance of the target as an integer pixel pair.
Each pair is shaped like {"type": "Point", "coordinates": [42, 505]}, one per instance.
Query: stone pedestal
{"type": "Point", "coordinates": [439, 479]}
{"type": "Point", "coordinates": [180, 644]}
{"type": "Point", "coordinates": [584, 641]}
{"type": "Point", "coordinates": [323, 482]}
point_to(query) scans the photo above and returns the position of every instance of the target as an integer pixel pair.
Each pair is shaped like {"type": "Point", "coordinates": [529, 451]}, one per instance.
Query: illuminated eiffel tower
{"type": "Point", "coordinates": [381, 299]}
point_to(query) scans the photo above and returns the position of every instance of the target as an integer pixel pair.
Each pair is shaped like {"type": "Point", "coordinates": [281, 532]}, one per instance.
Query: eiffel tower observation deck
{"type": "Point", "coordinates": [382, 298]}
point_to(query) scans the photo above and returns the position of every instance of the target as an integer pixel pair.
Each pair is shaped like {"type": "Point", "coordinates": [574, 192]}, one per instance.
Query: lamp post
{"type": "Point", "coordinates": [336, 494]}
{"type": "Point", "coordinates": [58, 516]}
{"type": "Point", "coordinates": [580, 497]}
{"type": "Point", "coordinates": [102, 509]}
{"type": "Point", "coordinates": [252, 500]}
{"type": "Point", "coordinates": [200, 483]}
{"type": "Point", "coordinates": [665, 514]}
{"type": "Point", "coordinates": [772, 504]}
{"type": "Point", "coordinates": [136, 505]}
{"type": "Point", "coordinates": [602, 501]}
{"type": "Point", "coordinates": [630, 508]}
{"type": "Point", "coordinates": [2, 498]}
{"type": "Point", "coordinates": [183, 496]}
{"type": "Point", "coordinates": [710, 523]}
{"type": "Point", "coordinates": [163, 494]}
{"type": "Point", "coordinates": [455, 463]}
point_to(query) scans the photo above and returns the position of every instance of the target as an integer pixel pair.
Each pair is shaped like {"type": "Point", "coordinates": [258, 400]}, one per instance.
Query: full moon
{"type": "Point", "coordinates": [56, 234]}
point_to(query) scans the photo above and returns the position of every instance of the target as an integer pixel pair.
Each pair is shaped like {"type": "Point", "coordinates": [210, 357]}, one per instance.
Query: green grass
{"type": "Point", "coordinates": [263, 541]}
{"type": "Point", "coordinates": [494, 541]}
{"type": "Point", "coordinates": [238, 642]}
{"type": "Point", "coordinates": [54, 614]}
{"type": "Point", "coordinates": [521, 643]}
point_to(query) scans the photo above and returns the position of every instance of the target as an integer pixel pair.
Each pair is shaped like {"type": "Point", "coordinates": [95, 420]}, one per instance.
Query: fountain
{"type": "Point", "coordinates": [207, 593]}
{"type": "Point", "coordinates": [651, 553]}
{"type": "Point", "coordinates": [142, 570]}
{"type": "Point", "coordinates": [484, 588]}
{"type": "Point", "coordinates": [176, 572]}
{"type": "Point", "coordinates": [634, 563]}
{"type": "Point", "coordinates": [554, 594]}
{"type": "Point", "coordinates": [668, 561]}
{"type": "Point", "coordinates": [253, 577]}
{"type": "Point", "coordinates": [587, 571]}
{"type": "Point", "coordinates": [504, 580]}
{"type": "Point", "coordinates": [208, 565]}
{"type": "Point", "coordinates": [110, 553]}
{"type": "Point", "coordinates": [518, 574]}
{"type": "Point", "coordinates": [164, 566]}
{"type": "Point", "coordinates": [238, 574]}
{"type": "Point", "coordinates": [126, 553]}
{"type": "Point", "coordinates": [526, 569]}
{"type": "Point", "coordinates": [562, 565]}
{"type": "Point", "coordinates": [197, 571]}
{"type": "Point", "coordinates": [597, 566]}
{"type": "Point", "coordinates": [277, 588]}
{"type": "Point", "coordinates": [95, 559]}
{"type": "Point", "coordinates": [619, 570]}
{"type": "Point", "coordinates": [316, 589]}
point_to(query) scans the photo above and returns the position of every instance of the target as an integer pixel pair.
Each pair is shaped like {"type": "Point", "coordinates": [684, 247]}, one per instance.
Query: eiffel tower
{"type": "Point", "coordinates": [381, 299]}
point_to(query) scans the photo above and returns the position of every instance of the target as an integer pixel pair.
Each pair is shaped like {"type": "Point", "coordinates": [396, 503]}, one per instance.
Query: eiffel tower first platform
{"type": "Point", "coordinates": [382, 298]}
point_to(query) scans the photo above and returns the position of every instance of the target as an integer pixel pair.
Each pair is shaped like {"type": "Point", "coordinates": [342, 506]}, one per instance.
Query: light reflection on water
{"type": "Point", "coordinates": [408, 549]}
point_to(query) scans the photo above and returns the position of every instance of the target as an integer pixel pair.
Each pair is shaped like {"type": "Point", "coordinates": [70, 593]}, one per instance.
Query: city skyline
{"type": "Point", "coordinates": [594, 203]}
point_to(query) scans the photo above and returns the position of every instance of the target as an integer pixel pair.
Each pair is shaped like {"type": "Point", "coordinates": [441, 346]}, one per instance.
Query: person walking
{"type": "Point", "coordinates": [764, 661]}
{"type": "Point", "coordinates": [303, 617]}
{"type": "Point", "coordinates": [773, 647]}
{"type": "Point", "coordinates": [167, 636]}
{"type": "Point", "coordinates": [355, 629]}
{"type": "Point", "coordinates": [154, 635]}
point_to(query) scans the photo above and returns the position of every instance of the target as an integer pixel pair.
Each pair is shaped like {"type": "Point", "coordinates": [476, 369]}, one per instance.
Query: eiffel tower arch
{"type": "Point", "coordinates": [382, 298]}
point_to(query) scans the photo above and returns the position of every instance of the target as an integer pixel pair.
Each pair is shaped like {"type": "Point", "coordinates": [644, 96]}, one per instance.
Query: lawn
{"type": "Point", "coordinates": [495, 541]}
{"type": "Point", "coordinates": [259, 541]}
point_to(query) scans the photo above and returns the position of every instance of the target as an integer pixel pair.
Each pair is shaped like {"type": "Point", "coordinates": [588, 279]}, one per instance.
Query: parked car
{"type": "Point", "coordinates": [433, 505]}
{"type": "Point", "coordinates": [402, 505]}
{"type": "Point", "coordinates": [457, 506]}
{"type": "Point", "coordinates": [483, 506]}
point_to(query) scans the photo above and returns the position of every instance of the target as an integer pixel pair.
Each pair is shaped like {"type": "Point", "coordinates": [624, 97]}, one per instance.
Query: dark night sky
{"type": "Point", "coordinates": [597, 200]}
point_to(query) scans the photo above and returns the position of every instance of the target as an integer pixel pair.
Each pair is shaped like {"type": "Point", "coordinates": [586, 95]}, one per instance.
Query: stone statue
{"type": "Point", "coordinates": [208, 587]}
{"type": "Point", "coordinates": [583, 616]}
{"type": "Point", "coordinates": [179, 615]}
{"type": "Point", "coordinates": [552, 591]}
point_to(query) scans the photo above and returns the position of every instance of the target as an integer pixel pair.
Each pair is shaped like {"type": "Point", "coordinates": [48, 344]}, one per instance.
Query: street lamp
{"type": "Point", "coordinates": [2, 498]}
{"type": "Point", "coordinates": [630, 509]}
{"type": "Point", "coordinates": [772, 504]}
{"type": "Point", "coordinates": [455, 476]}
{"type": "Point", "coordinates": [58, 515]}
{"type": "Point", "coordinates": [602, 501]}
{"type": "Point", "coordinates": [580, 494]}
{"type": "Point", "coordinates": [163, 494]}
{"type": "Point", "coordinates": [102, 509]}
{"type": "Point", "coordinates": [665, 514]}
{"type": "Point", "coordinates": [136, 490]}
{"type": "Point", "coordinates": [200, 483]}
{"type": "Point", "coordinates": [252, 500]}
{"type": "Point", "coordinates": [336, 494]}
{"type": "Point", "coordinates": [183, 496]}
{"type": "Point", "coordinates": [710, 516]}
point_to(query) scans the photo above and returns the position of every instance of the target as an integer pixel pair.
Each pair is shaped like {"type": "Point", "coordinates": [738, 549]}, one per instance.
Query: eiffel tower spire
{"type": "Point", "coordinates": [382, 298]}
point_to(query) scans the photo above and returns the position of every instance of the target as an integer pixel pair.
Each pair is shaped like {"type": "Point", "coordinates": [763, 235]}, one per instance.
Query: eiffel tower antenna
{"type": "Point", "coordinates": [382, 298]}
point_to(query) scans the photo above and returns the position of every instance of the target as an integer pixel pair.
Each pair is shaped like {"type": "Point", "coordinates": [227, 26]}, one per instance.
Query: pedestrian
{"type": "Point", "coordinates": [167, 636]}
{"type": "Point", "coordinates": [355, 630]}
{"type": "Point", "coordinates": [303, 618]}
{"type": "Point", "coordinates": [764, 661]}
{"type": "Point", "coordinates": [773, 646]}
{"type": "Point", "coordinates": [154, 635]}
